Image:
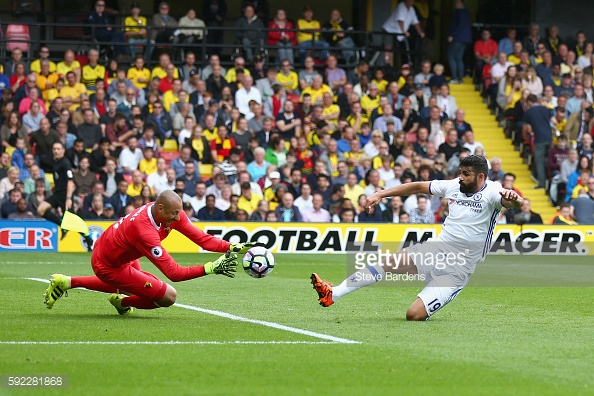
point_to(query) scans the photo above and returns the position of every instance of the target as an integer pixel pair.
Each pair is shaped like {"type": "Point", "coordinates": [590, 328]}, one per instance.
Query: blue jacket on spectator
{"type": "Point", "coordinates": [460, 29]}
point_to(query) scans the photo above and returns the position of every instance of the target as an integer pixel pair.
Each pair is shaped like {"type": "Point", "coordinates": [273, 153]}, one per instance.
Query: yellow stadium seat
{"type": "Point", "coordinates": [170, 145]}
{"type": "Point", "coordinates": [206, 170]}
{"type": "Point", "coordinates": [50, 178]}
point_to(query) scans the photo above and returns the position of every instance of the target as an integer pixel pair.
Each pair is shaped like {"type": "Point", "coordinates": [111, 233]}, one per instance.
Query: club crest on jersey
{"type": "Point", "coordinates": [157, 252]}
{"type": "Point", "coordinates": [148, 285]}
{"type": "Point", "coordinates": [477, 196]}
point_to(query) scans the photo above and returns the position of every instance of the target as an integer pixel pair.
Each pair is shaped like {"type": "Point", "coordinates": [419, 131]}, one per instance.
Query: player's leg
{"type": "Point", "coordinates": [438, 292]}
{"type": "Point", "coordinates": [60, 284]}
{"type": "Point", "coordinates": [401, 263]}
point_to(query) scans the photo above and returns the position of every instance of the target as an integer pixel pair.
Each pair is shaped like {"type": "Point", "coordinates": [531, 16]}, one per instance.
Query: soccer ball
{"type": "Point", "coordinates": [258, 262]}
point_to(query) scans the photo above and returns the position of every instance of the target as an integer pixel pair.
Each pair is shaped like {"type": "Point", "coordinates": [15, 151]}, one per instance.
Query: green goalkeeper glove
{"type": "Point", "coordinates": [241, 248]}
{"type": "Point", "coordinates": [224, 265]}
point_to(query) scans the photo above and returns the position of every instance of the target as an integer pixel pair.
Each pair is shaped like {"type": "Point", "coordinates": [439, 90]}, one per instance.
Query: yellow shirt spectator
{"type": "Point", "coordinates": [377, 162]}
{"type": "Point", "coordinates": [514, 59]}
{"type": "Point", "coordinates": [158, 71]}
{"type": "Point", "coordinates": [147, 167]}
{"type": "Point", "coordinates": [135, 192]}
{"type": "Point", "coordinates": [351, 120]}
{"type": "Point", "coordinates": [36, 66]}
{"type": "Point", "coordinates": [332, 109]}
{"type": "Point", "coordinates": [353, 193]}
{"type": "Point", "coordinates": [231, 75]}
{"type": "Point", "coordinates": [91, 74]}
{"type": "Point", "coordinates": [302, 25]}
{"type": "Point", "coordinates": [381, 85]}
{"type": "Point", "coordinates": [62, 68]}
{"type": "Point", "coordinates": [74, 92]}
{"type": "Point", "coordinates": [133, 25]}
{"type": "Point", "coordinates": [169, 98]}
{"type": "Point", "coordinates": [249, 205]}
{"type": "Point", "coordinates": [516, 96]}
{"type": "Point", "coordinates": [43, 81]}
{"type": "Point", "coordinates": [369, 104]}
{"type": "Point", "coordinates": [289, 82]}
{"type": "Point", "coordinates": [317, 95]}
{"type": "Point", "coordinates": [210, 135]}
{"type": "Point", "coordinates": [134, 74]}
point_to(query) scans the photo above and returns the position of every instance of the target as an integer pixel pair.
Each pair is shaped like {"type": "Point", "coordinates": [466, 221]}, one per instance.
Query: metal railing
{"type": "Point", "coordinates": [82, 37]}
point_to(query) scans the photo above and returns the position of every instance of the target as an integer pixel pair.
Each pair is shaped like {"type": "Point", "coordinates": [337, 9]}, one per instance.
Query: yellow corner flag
{"type": "Point", "coordinates": [72, 222]}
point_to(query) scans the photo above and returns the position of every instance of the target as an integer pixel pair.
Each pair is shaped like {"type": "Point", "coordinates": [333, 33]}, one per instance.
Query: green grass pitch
{"type": "Point", "coordinates": [489, 340]}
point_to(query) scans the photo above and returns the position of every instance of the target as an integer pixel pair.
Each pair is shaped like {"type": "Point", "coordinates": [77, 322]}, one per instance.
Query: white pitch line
{"type": "Point", "coordinates": [163, 342]}
{"type": "Point", "coordinates": [253, 321]}
{"type": "Point", "coordinates": [43, 262]}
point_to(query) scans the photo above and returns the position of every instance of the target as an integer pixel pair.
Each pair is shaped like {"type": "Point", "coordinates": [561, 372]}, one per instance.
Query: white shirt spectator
{"type": "Point", "coordinates": [130, 159]}
{"type": "Point", "coordinates": [498, 70]}
{"type": "Point", "coordinates": [473, 146]}
{"type": "Point", "coordinates": [370, 149]}
{"type": "Point", "coordinates": [404, 14]}
{"type": "Point", "coordinates": [386, 175]}
{"type": "Point", "coordinates": [157, 181]}
{"type": "Point", "coordinates": [197, 203]}
{"type": "Point", "coordinates": [242, 100]}
{"type": "Point", "coordinates": [236, 189]}
{"type": "Point", "coordinates": [304, 205]}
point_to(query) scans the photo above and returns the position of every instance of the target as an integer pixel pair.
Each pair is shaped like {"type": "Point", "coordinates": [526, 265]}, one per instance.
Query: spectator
{"type": "Point", "coordinates": [307, 37]}
{"type": "Point", "coordinates": [39, 194]}
{"type": "Point", "coordinates": [102, 29]}
{"type": "Point", "coordinates": [162, 122]}
{"type": "Point", "coordinates": [287, 212]}
{"type": "Point", "coordinates": [209, 212]}
{"type": "Point", "coordinates": [84, 178]}
{"type": "Point", "coordinates": [533, 218]}
{"type": "Point", "coordinates": [459, 37]}
{"type": "Point", "coordinates": [32, 119]}
{"type": "Point", "coordinates": [21, 210]}
{"type": "Point", "coordinates": [110, 178]}
{"type": "Point", "coordinates": [8, 183]}
{"type": "Point", "coordinates": [164, 24]}
{"type": "Point", "coordinates": [44, 54]}
{"type": "Point", "coordinates": [496, 173]}
{"type": "Point", "coordinates": [74, 92]}
{"type": "Point", "coordinates": [250, 31]}
{"type": "Point", "coordinates": [89, 132]}
{"type": "Point", "coordinates": [192, 29]}
{"type": "Point", "coordinates": [11, 130]}
{"type": "Point", "coordinates": [280, 34]}
{"type": "Point", "coordinates": [221, 146]}
{"type": "Point", "coordinates": [248, 201]}
{"type": "Point", "coordinates": [537, 119]}
{"type": "Point", "coordinates": [556, 155]}
{"type": "Point", "coordinates": [531, 42]}
{"type": "Point", "coordinates": [287, 77]}
{"type": "Point", "coordinates": [508, 183]}
{"type": "Point", "coordinates": [402, 18]}
{"type": "Point", "coordinates": [247, 93]}
{"type": "Point", "coordinates": [470, 143]}
{"type": "Point", "coordinates": [485, 51]}
{"type": "Point", "coordinates": [136, 33]}
{"type": "Point", "coordinates": [130, 156]}
{"type": "Point", "coordinates": [564, 217]}
{"type": "Point", "coordinates": [316, 213]}
{"type": "Point", "coordinates": [446, 102]}
{"type": "Point", "coordinates": [335, 35]}
{"type": "Point", "coordinates": [120, 199]}
{"type": "Point", "coordinates": [43, 139]}
{"type": "Point", "coordinates": [583, 205]}
{"type": "Point", "coordinates": [392, 214]}
{"type": "Point", "coordinates": [420, 214]}
{"type": "Point", "coordinates": [16, 58]}
{"type": "Point", "coordinates": [214, 12]}
{"type": "Point", "coordinates": [579, 123]}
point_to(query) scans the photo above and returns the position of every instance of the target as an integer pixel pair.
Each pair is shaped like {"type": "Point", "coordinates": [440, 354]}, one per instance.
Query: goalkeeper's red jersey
{"type": "Point", "coordinates": [137, 235]}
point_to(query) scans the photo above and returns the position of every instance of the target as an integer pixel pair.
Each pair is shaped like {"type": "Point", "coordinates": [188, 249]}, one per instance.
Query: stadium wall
{"type": "Point", "coordinates": [313, 238]}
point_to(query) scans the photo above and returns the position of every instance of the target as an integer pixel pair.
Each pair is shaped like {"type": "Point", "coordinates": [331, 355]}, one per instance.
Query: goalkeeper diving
{"type": "Point", "coordinates": [117, 250]}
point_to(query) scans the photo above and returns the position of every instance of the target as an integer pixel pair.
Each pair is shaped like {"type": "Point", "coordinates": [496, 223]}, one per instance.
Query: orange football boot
{"type": "Point", "coordinates": [324, 290]}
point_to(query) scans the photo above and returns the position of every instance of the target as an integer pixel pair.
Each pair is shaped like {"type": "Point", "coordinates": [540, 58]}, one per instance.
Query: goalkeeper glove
{"type": "Point", "coordinates": [241, 248]}
{"type": "Point", "coordinates": [224, 265]}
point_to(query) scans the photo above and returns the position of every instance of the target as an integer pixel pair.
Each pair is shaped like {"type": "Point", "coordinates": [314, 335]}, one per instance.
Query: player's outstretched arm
{"type": "Point", "coordinates": [199, 237]}
{"type": "Point", "coordinates": [510, 198]}
{"type": "Point", "coordinates": [401, 190]}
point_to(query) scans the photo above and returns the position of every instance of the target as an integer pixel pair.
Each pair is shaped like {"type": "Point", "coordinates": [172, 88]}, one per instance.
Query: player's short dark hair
{"type": "Point", "coordinates": [477, 163]}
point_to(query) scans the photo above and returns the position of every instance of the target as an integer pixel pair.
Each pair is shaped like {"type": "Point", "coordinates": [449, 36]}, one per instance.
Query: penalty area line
{"type": "Point", "coordinates": [253, 321]}
{"type": "Point", "coordinates": [164, 342]}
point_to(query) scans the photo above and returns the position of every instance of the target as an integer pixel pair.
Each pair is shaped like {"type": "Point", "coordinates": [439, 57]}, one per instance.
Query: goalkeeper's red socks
{"type": "Point", "coordinates": [91, 283]}
{"type": "Point", "coordinates": [138, 302]}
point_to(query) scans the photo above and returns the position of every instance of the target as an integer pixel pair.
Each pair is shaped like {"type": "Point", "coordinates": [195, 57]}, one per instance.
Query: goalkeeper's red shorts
{"type": "Point", "coordinates": [129, 278]}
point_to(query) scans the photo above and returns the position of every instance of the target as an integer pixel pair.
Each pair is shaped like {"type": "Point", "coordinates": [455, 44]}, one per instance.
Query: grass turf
{"type": "Point", "coordinates": [489, 340]}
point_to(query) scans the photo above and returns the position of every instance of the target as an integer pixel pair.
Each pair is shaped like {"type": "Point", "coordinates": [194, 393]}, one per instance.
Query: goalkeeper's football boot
{"type": "Point", "coordinates": [59, 284]}
{"type": "Point", "coordinates": [116, 300]}
{"type": "Point", "coordinates": [324, 290]}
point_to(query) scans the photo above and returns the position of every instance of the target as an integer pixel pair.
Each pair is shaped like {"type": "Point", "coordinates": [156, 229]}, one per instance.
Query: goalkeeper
{"type": "Point", "coordinates": [116, 253]}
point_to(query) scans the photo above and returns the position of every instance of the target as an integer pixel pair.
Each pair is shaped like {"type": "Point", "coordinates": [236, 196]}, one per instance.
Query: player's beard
{"type": "Point", "coordinates": [468, 187]}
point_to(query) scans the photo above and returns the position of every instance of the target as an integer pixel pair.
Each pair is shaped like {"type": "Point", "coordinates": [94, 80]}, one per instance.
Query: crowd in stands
{"type": "Point", "coordinates": [542, 87]}
{"type": "Point", "coordinates": [305, 141]}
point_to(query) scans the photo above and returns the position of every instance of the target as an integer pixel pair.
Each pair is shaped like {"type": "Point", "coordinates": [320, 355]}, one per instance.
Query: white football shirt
{"type": "Point", "coordinates": [472, 218]}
